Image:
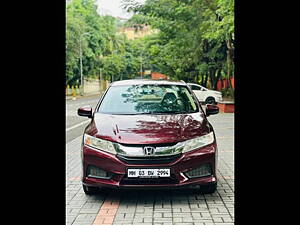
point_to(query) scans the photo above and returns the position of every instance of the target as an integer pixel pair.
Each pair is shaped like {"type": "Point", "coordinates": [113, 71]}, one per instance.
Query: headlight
{"type": "Point", "coordinates": [99, 143]}
{"type": "Point", "coordinates": [198, 142]}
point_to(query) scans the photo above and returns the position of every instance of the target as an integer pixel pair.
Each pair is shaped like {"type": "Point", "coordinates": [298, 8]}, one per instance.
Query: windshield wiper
{"type": "Point", "coordinates": [133, 113]}
{"type": "Point", "coordinates": [168, 112]}
{"type": "Point", "coordinates": [145, 113]}
{"type": "Point", "coordinates": [153, 113]}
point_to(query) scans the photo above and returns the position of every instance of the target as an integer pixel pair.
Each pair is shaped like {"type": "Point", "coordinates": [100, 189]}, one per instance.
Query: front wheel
{"type": "Point", "coordinates": [90, 190]}
{"type": "Point", "coordinates": [210, 100]}
{"type": "Point", "coordinates": [208, 189]}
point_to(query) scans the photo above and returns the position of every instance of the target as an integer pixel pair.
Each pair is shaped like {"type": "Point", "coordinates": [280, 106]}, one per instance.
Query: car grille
{"type": "Point", "coordinates": [148, 160]}
{"type": "Point", "coordinates": [137, 150]}
{"type": "Point", "coordinates": [153, 145]}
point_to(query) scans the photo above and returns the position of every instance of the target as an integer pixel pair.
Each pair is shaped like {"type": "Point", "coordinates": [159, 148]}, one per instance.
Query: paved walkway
{"type": "Point", "coordinates": [178, 207]}
{"type": "Point", "coordinates": [70, 97]}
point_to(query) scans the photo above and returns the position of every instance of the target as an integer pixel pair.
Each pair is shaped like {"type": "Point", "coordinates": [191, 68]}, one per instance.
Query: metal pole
{"type": "Point", "coordinates": [80, 62]}
{"type": "Point", "coordinates": [141, 64]}
{"type": "Point", "coordinates": [80, 49]}
{"type": "Point", "coordinates": [101, 80]}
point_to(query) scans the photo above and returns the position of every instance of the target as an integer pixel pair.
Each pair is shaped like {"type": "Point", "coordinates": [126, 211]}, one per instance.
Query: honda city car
{"type": "Point", "coordinates": [147, 133]}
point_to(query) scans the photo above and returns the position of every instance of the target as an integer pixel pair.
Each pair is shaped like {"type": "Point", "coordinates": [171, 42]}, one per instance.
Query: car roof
{"type": "Point", "coordinates": [194, 84]}
{"type": "Point", "coordinates": [147, 81]}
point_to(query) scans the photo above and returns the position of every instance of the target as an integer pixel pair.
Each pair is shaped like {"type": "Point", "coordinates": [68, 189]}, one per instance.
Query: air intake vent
{"type": "Point", "coordinates": [148, 160]}
{"type": "Point", "coordinates": [95, 172]}
{"type": "Point", "coordinates": [202, 171]}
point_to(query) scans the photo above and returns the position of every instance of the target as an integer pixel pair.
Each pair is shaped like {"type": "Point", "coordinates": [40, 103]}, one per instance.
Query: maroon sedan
{"type": "Point", "coordinates": [146, 133]}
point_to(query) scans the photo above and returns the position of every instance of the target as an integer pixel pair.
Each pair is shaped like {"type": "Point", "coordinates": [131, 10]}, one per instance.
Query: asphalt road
{"type": "Point", "coordinates": [75, 124]}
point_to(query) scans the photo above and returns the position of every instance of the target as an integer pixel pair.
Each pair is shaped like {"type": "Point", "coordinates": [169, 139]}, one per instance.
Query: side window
{"type": "Point", "coordinates": [194, 87]}
{"type": "Point", "coordinates": [189, 99]}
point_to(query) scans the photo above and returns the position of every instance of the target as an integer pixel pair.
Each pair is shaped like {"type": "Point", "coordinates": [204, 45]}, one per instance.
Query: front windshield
{"type": "Point", "coordinates": [148, 99]}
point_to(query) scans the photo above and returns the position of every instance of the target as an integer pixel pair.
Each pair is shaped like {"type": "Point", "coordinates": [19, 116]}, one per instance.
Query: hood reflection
{"type": "Point", "coordinates": [148, 129]}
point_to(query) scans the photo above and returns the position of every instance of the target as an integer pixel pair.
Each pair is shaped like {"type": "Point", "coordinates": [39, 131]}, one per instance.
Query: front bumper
{"type": "Point", "coordinates": [219, 99]}
{"type": "Point", "coordinates": [178, 166]}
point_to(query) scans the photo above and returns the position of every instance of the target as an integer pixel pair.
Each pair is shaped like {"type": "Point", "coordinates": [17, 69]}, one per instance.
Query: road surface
{"type": "Point", "coordinates": [162, 207]}
{"type": "Point", "coordinates": [75, 124]}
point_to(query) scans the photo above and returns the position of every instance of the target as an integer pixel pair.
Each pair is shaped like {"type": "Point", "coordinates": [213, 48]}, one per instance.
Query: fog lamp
{"type": "Point", "coordinates": [96, 172]}
{"type": "Point", "coordinates": [202, 171]}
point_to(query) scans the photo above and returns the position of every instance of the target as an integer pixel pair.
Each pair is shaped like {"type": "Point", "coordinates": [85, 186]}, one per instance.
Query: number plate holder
{"type": "Point", "coordinates": [148, 173]}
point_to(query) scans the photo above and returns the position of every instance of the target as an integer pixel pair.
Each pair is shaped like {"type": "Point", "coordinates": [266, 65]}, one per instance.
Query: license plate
{"type": "Point", "coordinates": [148, 173]}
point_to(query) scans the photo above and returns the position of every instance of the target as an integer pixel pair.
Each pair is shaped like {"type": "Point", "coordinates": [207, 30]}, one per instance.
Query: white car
{"type": "Point", "coordinates": [205, 95]}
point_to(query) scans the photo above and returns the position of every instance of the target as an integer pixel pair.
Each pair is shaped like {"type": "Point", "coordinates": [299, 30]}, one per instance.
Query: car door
{"type": "Point", "coordinates": [204, 93]}
{"type": "Point", "coordinates": [198, 92]}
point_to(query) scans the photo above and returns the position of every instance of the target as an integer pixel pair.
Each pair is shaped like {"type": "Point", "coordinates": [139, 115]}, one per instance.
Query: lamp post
{"type": "Point", "coordinates": [141, 69]}
{"type": "Point", "coordinates": [101, 76]}
{"type": "Point", "coordinates": [80, 53]}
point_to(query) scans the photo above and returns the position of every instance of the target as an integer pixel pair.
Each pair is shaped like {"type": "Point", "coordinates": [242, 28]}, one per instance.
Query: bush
{"type": "Point", "coordinates": [224, 92]}
{"type": "Point", "coordinates": [227, 92]}
{"type": "Point", "coordinates": [231, 93]}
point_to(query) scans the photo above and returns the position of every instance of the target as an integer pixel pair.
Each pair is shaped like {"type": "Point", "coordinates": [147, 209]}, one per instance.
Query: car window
{"type": "Point", "coordinates": [194, 87]}
{"type": "Point", "coordinates": [143, 99]}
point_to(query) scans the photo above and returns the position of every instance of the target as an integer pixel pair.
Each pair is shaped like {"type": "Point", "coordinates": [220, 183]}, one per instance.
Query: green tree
{"type": "Point", "coordinates": [82, 17]}
{"type": "Point", "coordinates": [194, 40]}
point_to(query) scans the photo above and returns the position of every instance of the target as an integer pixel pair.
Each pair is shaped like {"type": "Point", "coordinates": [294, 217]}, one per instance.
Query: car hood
{"type": "Point", "coordinates": [148, 129]}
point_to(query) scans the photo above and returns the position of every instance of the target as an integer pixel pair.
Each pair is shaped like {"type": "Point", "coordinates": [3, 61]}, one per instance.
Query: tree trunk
{"type": "Point", "coordinates": [229, 69]}
{"type": "Point", "coordinates": [229, 62]}
{"type": "Point", "coordinates": [215, 84]}
{"type": "Point", "coordinates": [206, 78]}
{"type": "Point", "coordinates": [202, 79]}
{"type": "Point", "coordinates": [212, 77]}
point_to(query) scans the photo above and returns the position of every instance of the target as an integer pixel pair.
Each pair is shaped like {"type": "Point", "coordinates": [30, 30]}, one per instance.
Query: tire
{"type": "Point", "coordinates": [210, 100]}
{"type": "Point", "coordinates": [208, 189]}
{"type": "Point", "coordinates": [90, 190]}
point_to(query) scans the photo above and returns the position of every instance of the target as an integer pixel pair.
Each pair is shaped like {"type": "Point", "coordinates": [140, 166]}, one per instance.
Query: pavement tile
{"type": "Point", "coordinates": [176, 207]}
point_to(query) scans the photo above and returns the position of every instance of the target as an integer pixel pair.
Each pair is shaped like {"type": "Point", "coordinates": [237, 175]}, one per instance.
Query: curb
{"type": "Point", "coordinates": [83, 96]}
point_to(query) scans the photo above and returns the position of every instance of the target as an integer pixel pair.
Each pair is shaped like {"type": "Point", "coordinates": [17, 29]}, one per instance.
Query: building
{"type": "Point", "coordinates": [133, 33]}
{"type": "Point", "coordinates": [159, 76]}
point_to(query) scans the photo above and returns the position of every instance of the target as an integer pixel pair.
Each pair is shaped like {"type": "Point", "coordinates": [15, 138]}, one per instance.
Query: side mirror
{"type": "Point", "coordinates": [211, 109]}
{"type": "Point", "coordinates": [85, 111]}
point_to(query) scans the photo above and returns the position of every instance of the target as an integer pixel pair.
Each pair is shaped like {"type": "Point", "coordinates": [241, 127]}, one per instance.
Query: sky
{"type": "Point", "coordinates": [113, 8]}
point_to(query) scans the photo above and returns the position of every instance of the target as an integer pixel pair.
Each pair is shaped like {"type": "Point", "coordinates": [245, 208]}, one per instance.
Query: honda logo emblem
{"type": "Point", "coordinates": [148, 150]}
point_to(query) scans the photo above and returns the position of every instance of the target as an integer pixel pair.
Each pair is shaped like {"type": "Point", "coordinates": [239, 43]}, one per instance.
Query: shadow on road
{"type": "Point", "coordinates": [130, 193]}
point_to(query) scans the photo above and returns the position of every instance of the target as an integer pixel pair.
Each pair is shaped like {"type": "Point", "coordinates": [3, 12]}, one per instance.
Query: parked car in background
{"type": "Point", "coordinates": [205, 95]}
{"type": "Point", "coordinates": [146, 133]}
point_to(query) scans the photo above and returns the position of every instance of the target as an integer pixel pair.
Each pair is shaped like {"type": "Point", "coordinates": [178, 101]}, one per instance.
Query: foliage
{"type": "Point", "coordinates": [99, 39]}
{"type": "Point", "coordinates": [195, 42]}
{"type": "Point", "coordinates": [137, 21]}
{"type": "Point", "coordinates": [227, 93]}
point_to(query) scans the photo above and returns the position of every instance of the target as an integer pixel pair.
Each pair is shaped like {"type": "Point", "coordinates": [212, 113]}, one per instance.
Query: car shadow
{"type": "Point", "coordinates": [152, 193]}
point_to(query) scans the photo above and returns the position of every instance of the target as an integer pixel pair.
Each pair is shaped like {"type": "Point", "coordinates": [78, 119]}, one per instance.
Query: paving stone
{"type": "Point", "coordinates": [176, 207]}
